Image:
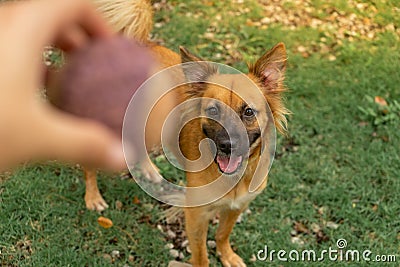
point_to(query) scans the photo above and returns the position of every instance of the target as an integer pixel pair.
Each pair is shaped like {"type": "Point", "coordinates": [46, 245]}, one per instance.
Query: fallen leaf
{"type": "Point", "coordinates": [301, 49]}
{"type": "Point", "coordinates": [131, 258]}
{"type": "Point", "coordinates": [322, 210]}
{"type": "Point", "coordinates": [305, 54]}
{"type": "Point", "coordinates": [136, 200]}
{"type": "Point", "coordinates": [380, 101]}
{"type": "Point", "coordinates": [104, 222]}
{"type": "Point", "coordinates": [375, 207]}
{"type": "Point", "coordinates": [118, 205]}
{"type": "Point", "coordinates": [332, 225]}
{"type": "Point", "coordinates": [113, 241]}
{"type": "Point", "coordinates": [331, 58]}
{"type": "Point", "coordinates": [385, 138]}
{"type": "Point", "coordinates": [372, 235]}
{"type": "Point", "coordinates": [107, 257]}
{"type": "Point", "coordinates": [169, 246]}
{"type": "Point", "coordinates": [115, 254]}
{"type": "Point", "coordinates": [297, 240]}
{"type": "Point", "coordinates": [321, 237]}
{"type": "Point", "coordinates": [171, 234]}
{"type": "Point", "coordinates": [211, 244]}
{"type": "Point", "coordinates": [315, 228]}
{"type": "Point", "coordinates": [301, 228]}
{"type": "Point", "coordinates": [174, 253]}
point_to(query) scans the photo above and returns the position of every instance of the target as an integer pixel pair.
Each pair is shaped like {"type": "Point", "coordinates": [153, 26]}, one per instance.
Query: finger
{"type": "Point", "coordinates": [72, 39]}
{"type": "Point", "coordinates": [55, 19]}
{"type": "Point", "coordinates": [45, 22]}
{"type": "Point", "coordinates": [76, 140]}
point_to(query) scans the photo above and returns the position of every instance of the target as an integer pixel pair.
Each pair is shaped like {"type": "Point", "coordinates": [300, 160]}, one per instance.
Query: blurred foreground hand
{"type": "Point", "coordinates": [31, 129]}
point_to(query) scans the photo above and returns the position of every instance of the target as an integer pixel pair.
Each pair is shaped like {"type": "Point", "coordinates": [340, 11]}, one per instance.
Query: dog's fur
{"type": "Point", "coordinates": [132, 18]}
{"type": "Point", "coordinates": [268, 75]}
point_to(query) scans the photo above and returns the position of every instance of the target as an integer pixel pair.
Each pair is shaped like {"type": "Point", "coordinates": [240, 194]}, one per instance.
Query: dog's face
{"type": "Point", "coordinates": [224, 113]}
{"type": "Point", "coordinates": [233, 112]}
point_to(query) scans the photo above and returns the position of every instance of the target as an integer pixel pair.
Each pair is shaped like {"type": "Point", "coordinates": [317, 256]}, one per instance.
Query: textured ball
{"type": "Point", "coordinates": [99, 80]}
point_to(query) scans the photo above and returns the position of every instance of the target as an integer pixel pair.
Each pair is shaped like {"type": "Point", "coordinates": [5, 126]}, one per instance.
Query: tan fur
{"type": "Point", "coordinates": [93, 198]}
{"type": "Point", "coordinates": [132, 18]}
{"type": "Point", "coordinates": [233, 203]}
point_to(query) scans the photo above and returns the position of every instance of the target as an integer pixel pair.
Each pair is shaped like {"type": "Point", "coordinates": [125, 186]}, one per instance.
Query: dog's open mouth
{"type": "Point", "coordinates": [228, 163]}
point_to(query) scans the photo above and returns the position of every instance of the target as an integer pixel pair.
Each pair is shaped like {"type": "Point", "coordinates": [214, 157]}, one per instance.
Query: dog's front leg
{"type": "Point", "coordinates": [197, 221]}
{"type": "Point", "coordinates": [227, 221]}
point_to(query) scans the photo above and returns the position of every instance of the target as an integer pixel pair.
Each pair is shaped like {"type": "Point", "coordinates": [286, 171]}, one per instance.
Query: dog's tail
{"type": "Point", "coordinates": [175, 212]}
{"type": "Point", "coordinates": [132, 18]}
{"type": "Point", "coordinates": [172, 214]}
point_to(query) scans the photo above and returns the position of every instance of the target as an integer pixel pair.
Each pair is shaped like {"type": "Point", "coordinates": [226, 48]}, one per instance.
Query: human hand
{"type": "Point", "coordinates": [31, 129]}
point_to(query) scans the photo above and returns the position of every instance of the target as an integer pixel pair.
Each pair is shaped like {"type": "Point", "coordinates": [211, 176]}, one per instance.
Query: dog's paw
{"type": "Point", "coordinates": [95, 202]}
{"type": "Point", "coordinates": [232, 260]}
{"type": "Point", "coordinates": [150, 171]}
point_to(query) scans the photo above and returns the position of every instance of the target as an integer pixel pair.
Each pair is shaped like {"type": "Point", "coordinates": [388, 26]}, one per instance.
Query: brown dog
{"type": "Point", "coordinates": [268, 74]}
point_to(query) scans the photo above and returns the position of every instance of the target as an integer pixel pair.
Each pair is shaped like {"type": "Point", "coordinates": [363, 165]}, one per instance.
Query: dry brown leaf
{"type": "Point", "coordinates": [315, 228]}
{"type": "Point", "coordinates": [118, 205]}
{"type": "Point", "coordinates": [301, 49]}
{"type": "Point", "coordinates": [321, 237]}
{"type": "Point", "coordinates": [385, 138]}
{"type": "Point", "coordinates": [136, 200]}
{"type": "Point", "coordinates": [375, 207]}
{"type": "Point", "coordinates": [105, 222]}
{"type": "Point", "coordinates": [332, 225]}
{"type": "Point", "coordinates": [301, 228]}
{"type": "Point", "coordinates": [380, 101]}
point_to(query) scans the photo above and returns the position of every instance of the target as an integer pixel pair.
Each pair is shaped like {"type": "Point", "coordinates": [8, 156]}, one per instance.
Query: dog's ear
{"type": "Point", "coordinates": [187, 56]}
{"type": "Point", "coordinates": [270, 71]}
{"type": "Point", "coordinates": [197, 71]}
{"type": "Point", "coordinates": [270, 68]}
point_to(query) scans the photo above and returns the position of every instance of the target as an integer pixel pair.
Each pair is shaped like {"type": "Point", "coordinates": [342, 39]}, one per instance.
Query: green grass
{"type": "Point", "coordinates": [44, 221]}
{"type": "Point", "coordinates": [337, 169]}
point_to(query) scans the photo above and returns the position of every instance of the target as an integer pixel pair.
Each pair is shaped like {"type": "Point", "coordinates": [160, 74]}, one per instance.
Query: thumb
{"type": "Point", "coordinates": [71, 139]}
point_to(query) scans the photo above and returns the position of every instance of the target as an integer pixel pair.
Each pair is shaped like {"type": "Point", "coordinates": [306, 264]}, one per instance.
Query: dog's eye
{"type": "Point", "coordinates": [212, 111]}
{"type": "Point", "coordinates": [249, 112]}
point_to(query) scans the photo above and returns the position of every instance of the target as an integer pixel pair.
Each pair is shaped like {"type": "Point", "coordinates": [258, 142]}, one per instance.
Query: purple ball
{"type": "Point", "coordinates": [99, 80]}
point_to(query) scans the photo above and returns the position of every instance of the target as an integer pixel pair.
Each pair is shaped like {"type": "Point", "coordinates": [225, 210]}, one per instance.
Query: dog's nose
{"type": "Point", "coordinates": [227, 145]}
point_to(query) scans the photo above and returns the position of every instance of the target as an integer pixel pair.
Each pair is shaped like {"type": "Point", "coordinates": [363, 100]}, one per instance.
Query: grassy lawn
{"type": "Point", "coordinates": [336, 174]}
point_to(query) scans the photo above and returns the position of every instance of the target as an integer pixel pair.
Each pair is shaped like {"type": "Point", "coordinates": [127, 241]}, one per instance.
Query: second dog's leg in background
{"type": "Point", "coordinates": [227, 221]}
{"type": "Point", "coordinates": [93, 198]}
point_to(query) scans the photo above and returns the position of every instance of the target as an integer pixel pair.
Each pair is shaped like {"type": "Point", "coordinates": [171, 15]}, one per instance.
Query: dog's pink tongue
{"type": "Point", "coordinates": [229, 164]}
